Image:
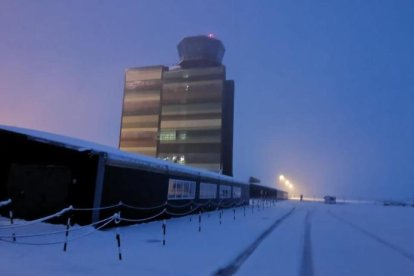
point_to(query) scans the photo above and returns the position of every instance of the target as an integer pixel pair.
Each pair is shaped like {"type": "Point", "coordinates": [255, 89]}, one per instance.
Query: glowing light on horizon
{"type": "Point", "coordinates": [285, 181]}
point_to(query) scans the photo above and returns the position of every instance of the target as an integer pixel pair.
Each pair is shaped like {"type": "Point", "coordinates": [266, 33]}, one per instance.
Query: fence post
{"type": "Point", "coordinates": [221, 212]}
{"type": "Point", "coordinates": [118, 236]}
{"type": "Point", "coordinates": [199, 221]}
{"type": "Point", "coordinates": [66, 235]}
{"type": "Point", "coordinates": [234, 213]}
{"type": "Point", "coordinates": [164, 231]}
{"type": "Point", "coordinates": [12, 222]}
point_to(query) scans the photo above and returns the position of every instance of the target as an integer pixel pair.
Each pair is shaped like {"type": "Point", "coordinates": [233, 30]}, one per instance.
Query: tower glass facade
{"type": "Point", "coordinates": [141, 110]}
{"type": "Point", "coordinates": [183, 114]}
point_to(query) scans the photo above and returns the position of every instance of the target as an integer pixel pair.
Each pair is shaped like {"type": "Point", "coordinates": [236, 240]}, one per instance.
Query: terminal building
{"type": "Point", "coordinates": [182, 113]}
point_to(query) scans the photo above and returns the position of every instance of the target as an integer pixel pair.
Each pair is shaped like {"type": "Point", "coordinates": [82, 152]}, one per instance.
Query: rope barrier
{"type": "Point", "coordinates": [99, 208]}
{"type": "Point", "coordinates": [5, 202]}
{"type": "Point", "coordinates": [71, 208]}
{"type": "Point", "coordinates": [218, 204]}
{"type": "Point", "coordinates": [144, 219]}
{"type": "Point", "coordinates": [143, 208]}
{"type": "Point", "coordinates": [228, 206]}
{"type": "Point", "coordinates": [182, 214]}
{"type": "Point", "coordinates": [181, 206]}
{"type": "Point", "coordinates": [204, 204]}
{"type": "Point", "coordinates": [112, 218]}
{"type": "Point", "coordinates": [58, 232]}
{"type": "Point", "coordinates": [104, 222]}
{"type": "Point", "coordinates": [241, 203]}
{"type": "Point", "coordinates": [58, 214]}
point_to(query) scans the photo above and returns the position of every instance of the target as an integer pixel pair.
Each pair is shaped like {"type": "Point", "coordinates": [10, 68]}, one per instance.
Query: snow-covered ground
{"type": "Point", "coordinates": [291, 238]}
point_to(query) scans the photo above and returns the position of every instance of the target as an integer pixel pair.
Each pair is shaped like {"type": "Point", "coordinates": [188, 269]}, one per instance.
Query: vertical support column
{"type": "Point", "coordinates": [97, 198]}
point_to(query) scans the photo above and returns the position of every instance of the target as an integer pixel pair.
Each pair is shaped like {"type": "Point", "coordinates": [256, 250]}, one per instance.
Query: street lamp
{"type": "Point", "coordinates": [285, 181]}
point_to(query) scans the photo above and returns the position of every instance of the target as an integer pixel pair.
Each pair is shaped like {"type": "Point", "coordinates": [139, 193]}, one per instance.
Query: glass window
{"type": "Point", "coordinates": [181, 189]}
{"type": "Point", "coordinates": [225, 191]}
{"type": "Point", "coordinates": [208, 190]}
{"type": "Point", "coordinates": [236, 192]}
{"type": "Point", "coordinates": [181, 160]}
{"type": "Point", "coordinates": [182, 135]}
{"type": "Point", "coordinates": [168, 135]}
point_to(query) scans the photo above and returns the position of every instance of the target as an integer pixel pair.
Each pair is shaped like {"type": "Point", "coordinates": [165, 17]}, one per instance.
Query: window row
{"type": "Point", "coordinates": [185, 189]}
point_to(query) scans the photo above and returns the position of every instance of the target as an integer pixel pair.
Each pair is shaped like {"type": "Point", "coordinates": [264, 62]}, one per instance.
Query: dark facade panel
{"type": "Point", "coordinates": [182, 97]}
{"type": "Point", "coordinates": [195, 74]}
{"type": "Point", "coordinates": [190, 109]}
{"type": "Point", "coordinates": [193, 148]}
{"type": "Point", "coordinates": [227, 133]}
{"type": "Point", "coordinates": [265, 192]}
{"type": "Point", "coordinates": [191, 117]}
{"type": "Point", "coordinates": [43, 178]}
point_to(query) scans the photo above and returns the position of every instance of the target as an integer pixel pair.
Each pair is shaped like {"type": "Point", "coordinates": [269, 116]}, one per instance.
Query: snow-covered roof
{"type": "Point", "coordinates": [114, 155]}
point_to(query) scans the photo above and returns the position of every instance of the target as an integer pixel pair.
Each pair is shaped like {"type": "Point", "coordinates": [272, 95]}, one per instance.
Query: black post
{"type": "Point", "coordinates": [164, 231]}
{"type": "Point", "coordinates": [199, 221]}
{"type": "Point", "coordinates": [191, 213]}
{"type": "Point", "coordinates": [118, 236]}
{"type": "Point", "coordinates": [244, 210]}
{"type": "Point", "coordinates": [65, 246]}
{"type": "Point", "coordinates": [118, 239]}
{"type": "Point", "coordinates": [12, 222]}
{"type": "Point", "coordinates": [234, 213]}
{"type": "Point", "coordinates": [220, 215]}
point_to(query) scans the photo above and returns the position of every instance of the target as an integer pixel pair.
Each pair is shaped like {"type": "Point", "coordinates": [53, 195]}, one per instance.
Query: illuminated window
{"type": "Point", "coordinates": [208, 190]}
{"type": "Point", "coordinates": [181, 189]}
{"type": "Point", "coordinates": [236, 192]}
{"type": "Point", "coordinates": [182, 135]}
{"type": "Point", "coordinates": [181, 160]}
{"type": "Point", "coordinates": [225, 191]}
{"type": "Point", "coordinates": [168, 135]}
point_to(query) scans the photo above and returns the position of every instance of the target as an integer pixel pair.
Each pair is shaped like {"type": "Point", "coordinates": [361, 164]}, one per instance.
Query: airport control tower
{"type": "Point", "coordinates": [182, 113]}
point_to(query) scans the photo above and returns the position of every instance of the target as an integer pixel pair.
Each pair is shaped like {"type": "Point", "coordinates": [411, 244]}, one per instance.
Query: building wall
{"type": "Point", "coordinates": [141, 109]}
{"type": "Point", "coordinates": [191, 117]}
{"type": "Point", "coordinates": [179, 115]}
{"type": "Point", "coordinates": [42, 178]}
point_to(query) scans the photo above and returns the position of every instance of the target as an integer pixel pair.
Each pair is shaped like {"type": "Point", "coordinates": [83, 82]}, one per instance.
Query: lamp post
{"type": "Point", "coordinates": [284, 181]}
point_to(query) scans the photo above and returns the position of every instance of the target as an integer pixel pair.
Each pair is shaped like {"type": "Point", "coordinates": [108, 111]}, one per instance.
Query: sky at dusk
{"type": "Point", "coordinates": [324, 89]}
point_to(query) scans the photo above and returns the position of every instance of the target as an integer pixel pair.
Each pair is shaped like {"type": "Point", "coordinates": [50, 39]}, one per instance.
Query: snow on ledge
{"type": "Point", "coordinates": [113, 154]}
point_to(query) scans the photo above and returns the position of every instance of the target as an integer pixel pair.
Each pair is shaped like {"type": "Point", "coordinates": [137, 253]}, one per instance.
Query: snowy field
{"type": "Point", "coordinates": [291, 238]}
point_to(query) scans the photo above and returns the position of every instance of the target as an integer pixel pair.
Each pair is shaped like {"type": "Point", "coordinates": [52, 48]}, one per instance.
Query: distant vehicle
{"type": "Point", "coordinates": [394, 203]}
{"type": "Point", "coordinates": [329, 199]}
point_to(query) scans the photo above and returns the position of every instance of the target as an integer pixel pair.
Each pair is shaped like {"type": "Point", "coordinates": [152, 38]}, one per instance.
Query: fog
{"type": "Point", "coordinates": [324, 91]}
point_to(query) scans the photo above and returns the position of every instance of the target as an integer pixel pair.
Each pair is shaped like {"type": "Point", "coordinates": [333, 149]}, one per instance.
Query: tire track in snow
{"type": "Point", "coordinates": [306, 268]}
{"type": "Point", "coordinates": [242, 257]}
{"type": "Point", "coordinates": [394, 247]}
